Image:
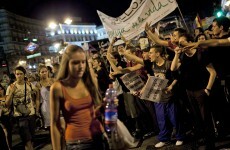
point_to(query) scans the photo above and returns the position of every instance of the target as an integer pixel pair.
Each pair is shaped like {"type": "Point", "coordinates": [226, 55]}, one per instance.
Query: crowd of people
{"type": "Point", "coordinates": [69, 97]}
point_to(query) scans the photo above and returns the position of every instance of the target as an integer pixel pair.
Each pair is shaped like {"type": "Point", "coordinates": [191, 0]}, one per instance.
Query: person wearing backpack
{"type": "Point", "coordinates": [19, 94]}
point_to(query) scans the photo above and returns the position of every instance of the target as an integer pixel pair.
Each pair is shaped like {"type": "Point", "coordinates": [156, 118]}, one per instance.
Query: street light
{"type": "Point", "coordinates": [68, 21]}
{"type": "Point", "coordinates": [53, 25]}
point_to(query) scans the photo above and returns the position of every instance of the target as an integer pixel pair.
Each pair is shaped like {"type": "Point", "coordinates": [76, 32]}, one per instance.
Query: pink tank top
{"type": "Point", "coordinates": [80, 119]}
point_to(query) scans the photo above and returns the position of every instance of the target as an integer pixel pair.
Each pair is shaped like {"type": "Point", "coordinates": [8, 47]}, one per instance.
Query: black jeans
{"type": "Point", "coordinates": [200, 110]}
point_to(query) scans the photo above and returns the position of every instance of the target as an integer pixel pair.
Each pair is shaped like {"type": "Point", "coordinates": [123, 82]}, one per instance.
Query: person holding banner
{"type": "Point", "coordinates": [166, 108]}
{"type": "Point", "coordinates": [132, 104]}
{"type": "Point", "coordinates": [198, 76]}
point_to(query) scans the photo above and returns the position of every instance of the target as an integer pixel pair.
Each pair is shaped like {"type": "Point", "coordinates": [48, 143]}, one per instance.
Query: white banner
{"type": "Point", "coordinates": [132, 81]}
{"type": "Point", "coordinates": [132, 21]}
{"type": "Point", "coordinates": [153, 89]}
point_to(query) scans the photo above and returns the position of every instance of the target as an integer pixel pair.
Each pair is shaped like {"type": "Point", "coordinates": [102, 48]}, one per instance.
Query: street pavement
{"type": "Point", "coordinates": [43, 142]}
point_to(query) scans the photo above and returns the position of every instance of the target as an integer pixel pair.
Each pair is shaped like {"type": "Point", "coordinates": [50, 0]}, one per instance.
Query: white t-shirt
{"type": "Point", "coordinates": [19, 96]}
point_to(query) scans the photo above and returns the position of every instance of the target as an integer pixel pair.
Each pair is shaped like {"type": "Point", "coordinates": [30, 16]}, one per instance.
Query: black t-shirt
{"type": "Point", "coordinates": [118, 76]}
{"type": "Point", "coordinates": [148, 67]}
{"type": "Point", "coordinates": [193, 70]}
{"type": "Point", "coordinates": [220, 59]}
{"type": "Point", "coordinates": [103, 80]}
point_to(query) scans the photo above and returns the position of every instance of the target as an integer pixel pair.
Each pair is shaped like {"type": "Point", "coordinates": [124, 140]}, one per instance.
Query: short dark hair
{"type": "Point", "coordinates": [199, 35]}
{"type": "Point", "coordinates": [189, 37]}
{"type": "Point", "coordinates": [181, 31]}
{"type": "Point", "coordinates": [223, 21]}
{"type": "Point", "coordinates": [21, 69]}
{"type": "Point", "coordinates": [200, 29]}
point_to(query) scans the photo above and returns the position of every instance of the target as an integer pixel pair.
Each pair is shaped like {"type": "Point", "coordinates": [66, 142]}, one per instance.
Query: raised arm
{"type": "Point", "coordinates": [55, 97]}
{"type": "Point", "coordinates": [210, 43]}
{"type": "Point", "coordinates": [132, 57]}
{"type": "Point", "coordinates": [154, 37]}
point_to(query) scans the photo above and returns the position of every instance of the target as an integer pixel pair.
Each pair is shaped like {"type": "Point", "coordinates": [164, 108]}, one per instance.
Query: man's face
{"type": "Point", "coordinates": [120, 47]}
{"type": "Point", "coordinates": [201, 38]}
{"type": "Point", "coordinates": [175, 37]}
{"type": "Point", "coordinates": [145, 55]}
{"type": "Point", "coordinates": [153, 55]}
{"type": "Point", "coordinates": [19, 75]}
{"type": "Point", "coordinates": [197, 31]}
{"type": "Point", "coordinates": [215, 28]}
{"type": "Point", "coordinates": [96, 64]}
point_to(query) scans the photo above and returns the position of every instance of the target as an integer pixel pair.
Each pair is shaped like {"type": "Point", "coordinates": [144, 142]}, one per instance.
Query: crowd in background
{"type": "Point", "coordinates": [195, 102]}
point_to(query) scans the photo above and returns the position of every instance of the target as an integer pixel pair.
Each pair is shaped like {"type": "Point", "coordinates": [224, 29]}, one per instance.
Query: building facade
{"type": "Point", "coordinates": [16, 32]}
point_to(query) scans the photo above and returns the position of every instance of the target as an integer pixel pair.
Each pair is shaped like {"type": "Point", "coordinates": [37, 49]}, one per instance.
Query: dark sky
{"type": "Point", "coordinates": [59, 9]}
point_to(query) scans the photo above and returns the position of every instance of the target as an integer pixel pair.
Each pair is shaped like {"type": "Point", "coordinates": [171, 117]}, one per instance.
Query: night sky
{"type": "Point", "coordinates": [59, 9]}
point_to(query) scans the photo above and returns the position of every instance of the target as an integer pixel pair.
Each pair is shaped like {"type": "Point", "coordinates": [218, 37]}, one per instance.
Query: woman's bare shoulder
{"type": "Point", "coordinates": [56, 86]}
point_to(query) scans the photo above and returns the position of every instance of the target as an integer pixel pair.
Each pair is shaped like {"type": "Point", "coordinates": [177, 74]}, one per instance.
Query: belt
{"type": "Point", "coordinates": [82, 141]}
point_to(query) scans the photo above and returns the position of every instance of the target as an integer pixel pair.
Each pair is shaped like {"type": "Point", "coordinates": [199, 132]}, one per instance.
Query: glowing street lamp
{"type": "Point", "coordinates": [52, 25]}
{"type": "Point", "coordinates": [68, 21]}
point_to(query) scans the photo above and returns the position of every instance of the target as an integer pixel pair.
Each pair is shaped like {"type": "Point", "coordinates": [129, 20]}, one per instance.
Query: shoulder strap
{"type": "Point", "coordinates": [25, 93]}
{"type": "Point", "coordinates": [30, 85]}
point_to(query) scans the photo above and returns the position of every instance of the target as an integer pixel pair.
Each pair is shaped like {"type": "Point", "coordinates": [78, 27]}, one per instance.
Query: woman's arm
{"type": "Point", "coordinates": [55, 91]}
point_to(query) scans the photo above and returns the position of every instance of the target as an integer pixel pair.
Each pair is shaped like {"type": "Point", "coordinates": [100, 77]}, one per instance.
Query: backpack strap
{"type": "Point", "coordinates": [25, 94]}
{"type": "Point", "coordinates": [29, 85]}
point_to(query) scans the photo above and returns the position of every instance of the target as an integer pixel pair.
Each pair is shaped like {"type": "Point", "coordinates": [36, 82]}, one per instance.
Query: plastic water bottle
{"type": "Point", "coordinates": [110, 109]}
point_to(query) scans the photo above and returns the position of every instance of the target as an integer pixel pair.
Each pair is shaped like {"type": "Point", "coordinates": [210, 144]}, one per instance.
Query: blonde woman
{"type": "Point", "coordinates": [76, 95]}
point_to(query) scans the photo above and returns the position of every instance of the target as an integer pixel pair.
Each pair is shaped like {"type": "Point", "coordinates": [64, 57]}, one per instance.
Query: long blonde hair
{"type": "Point", "coordinates": [87, 77]}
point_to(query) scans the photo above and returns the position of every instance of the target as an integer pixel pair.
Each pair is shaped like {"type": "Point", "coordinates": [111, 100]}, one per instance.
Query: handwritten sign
{"type": "Point", "coordinates": [153, 89]}
{"type": "Point", "coordinates": [132, 81]}
{"type": "Point", "coordinates": [132, 21]}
